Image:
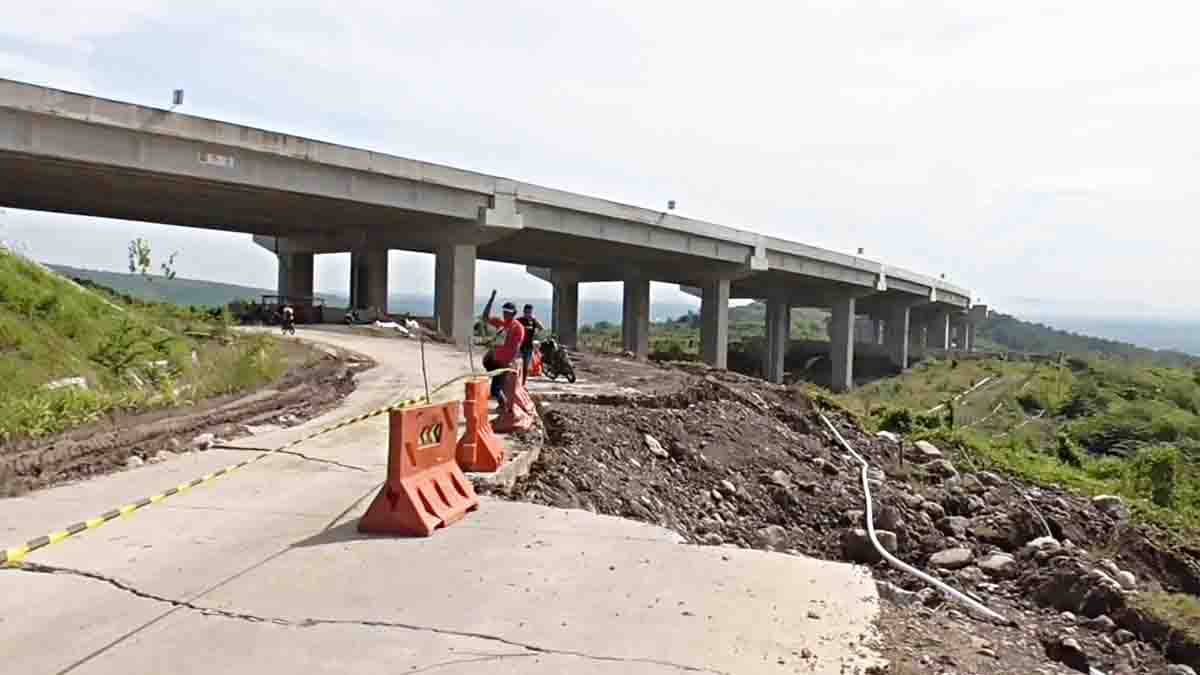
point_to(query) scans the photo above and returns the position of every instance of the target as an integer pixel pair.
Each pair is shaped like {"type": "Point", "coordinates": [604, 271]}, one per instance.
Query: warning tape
{"type": "Point", "coordinates": [15, 556]}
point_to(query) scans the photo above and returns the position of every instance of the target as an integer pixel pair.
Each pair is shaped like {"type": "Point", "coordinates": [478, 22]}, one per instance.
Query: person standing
{"type": "Point", "coordinates": [531, 325]}
{"type": "Point", "coordinates": [505, 354]}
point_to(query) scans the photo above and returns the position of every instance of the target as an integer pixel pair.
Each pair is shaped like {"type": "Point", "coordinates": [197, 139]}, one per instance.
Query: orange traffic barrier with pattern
{"type": "Point", "coordinates": [520, 412]}
{"type": "Point", "coordinates": [425, 490]}
{"type": "Point", "coordinates": [479, 449]}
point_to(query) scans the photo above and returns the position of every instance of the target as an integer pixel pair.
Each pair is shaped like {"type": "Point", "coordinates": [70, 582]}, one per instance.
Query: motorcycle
{"type": "Point", "coordinates": [555, 361]}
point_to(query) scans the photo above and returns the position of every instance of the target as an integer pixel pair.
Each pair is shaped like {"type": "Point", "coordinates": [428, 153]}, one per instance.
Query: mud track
{"type": "Point", "coordinates": [306, 391]}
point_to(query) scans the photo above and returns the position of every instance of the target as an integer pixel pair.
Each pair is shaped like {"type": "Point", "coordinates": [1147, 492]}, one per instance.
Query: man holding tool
{"type": "Point", "coordinates": [504, 355]}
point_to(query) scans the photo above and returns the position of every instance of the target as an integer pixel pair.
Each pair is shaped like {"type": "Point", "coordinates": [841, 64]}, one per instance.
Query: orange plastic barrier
{"type": "Point", "coordinates": [535, 364]}
{"type": "Point", "coordinates": [479, 449]}
{"type": "Point", "coordinates": [425, 489]}
{"type": "Point", "coordinates": [520, 413]}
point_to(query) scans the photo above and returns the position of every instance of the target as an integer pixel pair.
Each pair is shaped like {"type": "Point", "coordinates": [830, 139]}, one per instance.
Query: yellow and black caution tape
{"type": "Point", "coordinates": [16, 555]}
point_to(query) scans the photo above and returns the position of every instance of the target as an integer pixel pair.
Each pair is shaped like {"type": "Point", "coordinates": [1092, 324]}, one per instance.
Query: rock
{"type": "Point", "coordinates": [712, 539]}
{"type": "Point", "coordinates": [896, 595]}
{"type": "Point", "coordinates": [963, 505]}
{"type": "Point", "coordinates": [1068, 617]}
{"type": "Point", "coordinates": [912, 501]}
{"type": "Point", "coordinates": [927, 451]}
{"type": "Point", "coordinates": [952, 558]}
{"type": "Point", "coordinates": [1127, 580]}
{"type": "Point", "coordinates": [1111, 505]}
{"type": "Point", "coordinates": [67, 383]}
{"type": "Point", "coordinates": [1110, 567]}
{"type": "Point", "coordinates": [1066, 650]}
{"type": "Point", "coordinates": [160, 456]}
{"type": "Point", "coordinates": [856, 545]}
{"type": "Point", "coordinates": [1041, 544]}
{"type": "Point", "coordinates": [888, 436]}
{"type": "Point", "coordinates": [889, 518]}
{"type": "Point", "coordinates": [716, 495]}
{"type": "Point", "coordinates": [934, 510]}
{"type": "Point", "coordinates": [1123, 636]}
{"type": "Point", "coordinates": [204, 441]}
{"type": "Point", "coordinates": [772, 536]}
{"type": "Point", "coordinates": [134, 462]}
{"type": "Point", "coordinates": [288, 420]}
{"type": "Point", "coordinates": [999, 565]}
{"type": "Point", "coordinates": [175, 445]}
{"type": "Point", "coordinates": [655, 447]}
{"type": "Point", "coordinates": [971, 484]}
{"type": "Point", "coordinates": [855, 517]}
{"type": "Point", "coordinates": [727, 487]}
{"type": "Point", "coordinates": [1180, 669]}
{"type": "Point", "coordinates": [955, 526]}
{"type": "Point", "coordinates": [781, 478]}
{"type": "Point", "coordinates": [942, 467]}
{"type": "Point", "coordinates": [991, 479]}
{"type": "Point", "coordinates": [1101, 623]}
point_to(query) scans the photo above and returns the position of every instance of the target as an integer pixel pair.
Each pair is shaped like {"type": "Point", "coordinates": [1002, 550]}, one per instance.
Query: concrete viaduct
{"type": "Point", "coordinates": [73, 153]}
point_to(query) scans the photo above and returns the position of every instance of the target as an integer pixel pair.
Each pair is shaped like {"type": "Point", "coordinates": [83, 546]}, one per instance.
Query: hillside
{"type": "Point", "coordinates": [1010, 333]}
{"type": "Point", "coordinates": [129, 356]}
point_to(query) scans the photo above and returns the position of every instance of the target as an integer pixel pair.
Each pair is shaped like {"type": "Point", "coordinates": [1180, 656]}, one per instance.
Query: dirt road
{"type": "Point", "coordinates": [264, 572]}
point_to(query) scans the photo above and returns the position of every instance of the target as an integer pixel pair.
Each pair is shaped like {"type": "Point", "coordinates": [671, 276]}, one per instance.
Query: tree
{"type": "Point", "coordinates": [140, 260]}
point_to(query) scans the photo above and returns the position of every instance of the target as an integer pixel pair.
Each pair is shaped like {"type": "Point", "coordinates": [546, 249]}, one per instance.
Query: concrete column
{"type": "Point", "coordinates": [564, 319]}
{"type": "Point", "coordinates": [937, 331]}
{"type": "Point", "coordinates": [958, 327]}
{"type": "Point", "coordinates": [714, 323]}
{"type": "Point", "coordinates": [895, 335]}
{"type": "Point", "coordinates": [295, 275]}
{"type": "Point", "coordinates": [970, 341]}
{"type": "Point", "coordinates": [916, 336]}
{"type": "Point", "coordinates": [878, 331]}
{"type": "Point", "coordinates": [779, 326]}
{"type": "Point", "coordinates": [368, 279]}
{"type": "Point", "coordinates": [454, 291]}
{"type": "Point", "coordinates": [841, 345]}
{"type": "Point", "coordinates": [635, 316]}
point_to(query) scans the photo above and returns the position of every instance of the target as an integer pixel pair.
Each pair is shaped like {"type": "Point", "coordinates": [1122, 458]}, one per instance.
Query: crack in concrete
{"type": "Point", "coordinates": [530, 648]}
{"type": "Point", "coordinates": [293, 453]}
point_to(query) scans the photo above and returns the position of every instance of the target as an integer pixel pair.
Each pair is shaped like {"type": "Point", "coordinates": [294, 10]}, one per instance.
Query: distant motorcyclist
{"type": "Point", "coordinates": [288, 320]}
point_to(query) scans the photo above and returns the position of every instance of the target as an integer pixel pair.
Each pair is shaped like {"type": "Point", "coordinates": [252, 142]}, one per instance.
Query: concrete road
{"type": "Point", "coordinates": [264, 571]}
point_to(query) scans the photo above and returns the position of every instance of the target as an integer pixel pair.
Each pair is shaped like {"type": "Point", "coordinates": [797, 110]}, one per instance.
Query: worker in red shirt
{"type": "Point", "coordinates": [508, 353]}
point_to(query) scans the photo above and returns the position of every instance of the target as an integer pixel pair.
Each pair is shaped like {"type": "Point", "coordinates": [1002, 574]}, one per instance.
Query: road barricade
{"type": "Point", "coordinates": [425, 490]}
{"type": "Point", "coordinates": [520, 413]}
{"type": "Point", "coordinates": [479, 449]}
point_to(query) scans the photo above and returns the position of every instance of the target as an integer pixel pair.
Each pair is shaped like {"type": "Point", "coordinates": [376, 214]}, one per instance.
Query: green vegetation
{"type": "Point", "coordinates": [679, 338]}
{"type": "Point", "coordinates": [1098, 426]}
{"type": "Point", "coordinates": [133, 355]}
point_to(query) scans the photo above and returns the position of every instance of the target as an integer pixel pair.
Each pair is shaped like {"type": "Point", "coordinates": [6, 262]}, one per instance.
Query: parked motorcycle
{"type": "Point", "coordinates": [555, 361]}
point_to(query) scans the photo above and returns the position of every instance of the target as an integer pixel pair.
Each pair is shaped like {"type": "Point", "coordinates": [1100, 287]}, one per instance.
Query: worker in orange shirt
{"type": "Point", "coordinates": [508, 353]}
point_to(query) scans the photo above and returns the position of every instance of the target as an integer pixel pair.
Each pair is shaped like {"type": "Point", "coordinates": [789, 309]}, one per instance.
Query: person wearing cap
{"type": "Point", "coordinates": [508, 351]}
{"type": "Point", "coordinates": [532, 326]}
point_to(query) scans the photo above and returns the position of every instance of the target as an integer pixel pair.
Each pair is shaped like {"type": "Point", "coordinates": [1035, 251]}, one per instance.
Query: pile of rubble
{"type": "Point", "coordinates": [733, 461]}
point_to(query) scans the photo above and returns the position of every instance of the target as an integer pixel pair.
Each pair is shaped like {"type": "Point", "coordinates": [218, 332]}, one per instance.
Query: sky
{"type": "Point", "coordinates": [1042, 154]}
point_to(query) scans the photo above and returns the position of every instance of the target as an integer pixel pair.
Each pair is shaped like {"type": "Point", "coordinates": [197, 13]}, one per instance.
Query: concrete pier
{"type": "Point", "coordinates": [778, 331]}
{"type": "Point", "coordinates": [895, 335]}
{"type": "Point", "coordinates": [564, 313]}
{"type": "Point", "coordinates": [454, 291]}
{"type": "Point", "coordinates": [635, 315]}
{"type": "Point", "coordinates": [714, 323]}
{"type": "Point", "coordinates": [295, 278]}
{"type": "Point", "coordinates": [841, 344]}
{"type": "Point", "coordinates": [369, 279]}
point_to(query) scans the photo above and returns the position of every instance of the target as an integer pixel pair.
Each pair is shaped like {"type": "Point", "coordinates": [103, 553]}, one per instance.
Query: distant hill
{"type": "Point", "coordinates": [1009, 332]}
{"type": "Point", "coordinates": [195, 292]}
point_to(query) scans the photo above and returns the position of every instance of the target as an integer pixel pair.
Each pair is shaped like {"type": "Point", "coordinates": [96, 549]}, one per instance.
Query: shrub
{"type": "Point", "coordinates": [1155, 470]}
{"type": "Point", "coordinates": [897, 420]}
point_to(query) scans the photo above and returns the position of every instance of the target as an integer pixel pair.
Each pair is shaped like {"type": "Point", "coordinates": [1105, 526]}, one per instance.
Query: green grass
{"type": "Point", "coordinates": [134, 356]}
{"type": "Point", "coordinates": [1180, 611]}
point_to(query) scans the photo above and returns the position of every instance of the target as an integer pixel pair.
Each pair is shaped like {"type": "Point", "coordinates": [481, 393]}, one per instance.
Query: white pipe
{"type": "Point", "coordinates": [893, 560]}
{"type": "Point", "coordinates": [955, 399]}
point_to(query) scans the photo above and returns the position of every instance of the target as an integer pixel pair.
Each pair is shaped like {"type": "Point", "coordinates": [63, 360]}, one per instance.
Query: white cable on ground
{"type": "Point", "coordinates": [956, 398]}
{"type": "Point", "coordinates": [893, 560]}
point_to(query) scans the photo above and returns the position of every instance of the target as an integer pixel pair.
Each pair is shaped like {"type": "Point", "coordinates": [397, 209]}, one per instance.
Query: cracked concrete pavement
{"type": "Point", "coordinates": [264, 571]}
